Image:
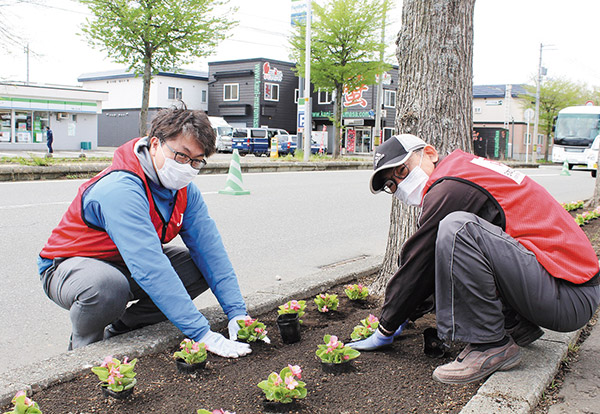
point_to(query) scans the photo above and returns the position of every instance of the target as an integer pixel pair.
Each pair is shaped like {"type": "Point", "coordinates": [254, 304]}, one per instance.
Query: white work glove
{"type": "Point", "coordinates": [234, 327]}
{"type": "Point", "coordinates": [219, 345]}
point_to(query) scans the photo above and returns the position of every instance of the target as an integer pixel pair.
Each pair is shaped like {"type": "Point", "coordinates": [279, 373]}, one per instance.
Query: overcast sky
{"type": "Point", "coordinates": [508, 34]}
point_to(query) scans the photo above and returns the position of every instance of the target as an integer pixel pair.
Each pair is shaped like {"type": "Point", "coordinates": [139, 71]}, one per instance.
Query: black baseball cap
{"type": "Point", "coordinates": [392, 153]}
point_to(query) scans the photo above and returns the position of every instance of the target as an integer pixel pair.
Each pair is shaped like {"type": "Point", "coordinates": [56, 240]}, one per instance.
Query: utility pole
{"type": "Point", "coordinates": [378, 137]}
{"type": "Point", "coordinates": [541, 71]}
{"type": "Point", "coordinates": [307, 102]}
{"type": "Point", "coordinates": [27, 53]}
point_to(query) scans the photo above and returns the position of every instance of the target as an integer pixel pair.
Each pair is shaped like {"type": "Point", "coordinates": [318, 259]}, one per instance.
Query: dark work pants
{"type": "Point", "coordinates": [96, 293]}
{"type": "Point", "coordinates": [482, 272]}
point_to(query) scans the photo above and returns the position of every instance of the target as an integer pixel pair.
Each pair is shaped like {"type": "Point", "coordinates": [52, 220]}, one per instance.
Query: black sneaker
{"type": "Point", "coordinates": [115, 328]}
{"type": "Point", "coordinates": [525, 332]}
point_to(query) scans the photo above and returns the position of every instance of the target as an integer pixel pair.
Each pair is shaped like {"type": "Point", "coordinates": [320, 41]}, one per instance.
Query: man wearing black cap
{"type": "Point", "coordinates": [500, 254]}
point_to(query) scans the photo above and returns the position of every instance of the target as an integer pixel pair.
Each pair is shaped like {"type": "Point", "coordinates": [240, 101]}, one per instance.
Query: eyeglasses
{"type": "Point", "coordinates": [182, 158]}
{"type": "Point", "coordinates": [389, 184]}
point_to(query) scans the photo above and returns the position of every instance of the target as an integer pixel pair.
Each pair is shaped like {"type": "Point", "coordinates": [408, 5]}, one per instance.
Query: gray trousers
{"type": "Point", "coordinates": [96, 293]}
{"type": "Point", "coordinates": [482, 273]}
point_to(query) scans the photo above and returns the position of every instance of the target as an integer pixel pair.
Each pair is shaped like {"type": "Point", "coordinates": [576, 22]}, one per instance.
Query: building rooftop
{"type": "Point", "coordinates": [123, 73]}
{"type": "Point", "coordinates": [497, 91]}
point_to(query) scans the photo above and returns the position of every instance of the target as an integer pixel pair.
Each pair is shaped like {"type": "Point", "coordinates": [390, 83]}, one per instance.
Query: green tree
{"type": "Point", "coordinates": [345, 46]}
{"type": "Point", "coordinates": [154, 35]}
{"type": "Point", "coordinates": [555, 94]}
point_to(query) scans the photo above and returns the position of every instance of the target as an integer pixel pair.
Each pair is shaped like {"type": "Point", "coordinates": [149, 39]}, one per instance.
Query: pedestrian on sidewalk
{"type": "Point", "coordinates": [111, 246]}
{"type": "Point", "coordinates": [501, 256]}
{"type": "Point", "coordinates": [49, 139]}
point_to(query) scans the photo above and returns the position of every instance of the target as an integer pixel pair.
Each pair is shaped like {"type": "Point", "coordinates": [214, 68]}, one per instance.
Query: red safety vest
{"type": "Point", "coordinates": [75, 237]}
{"type": "Point", "coordinates": [531, 214]}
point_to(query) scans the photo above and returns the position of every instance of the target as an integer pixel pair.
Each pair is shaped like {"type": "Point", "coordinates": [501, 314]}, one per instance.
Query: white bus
{"type": "Point", "coordinates": [575, 130]}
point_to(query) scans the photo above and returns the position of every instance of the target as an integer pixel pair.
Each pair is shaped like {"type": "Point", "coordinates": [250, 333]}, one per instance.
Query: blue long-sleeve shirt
{"type": "Point", "coordinates": [119, 205]}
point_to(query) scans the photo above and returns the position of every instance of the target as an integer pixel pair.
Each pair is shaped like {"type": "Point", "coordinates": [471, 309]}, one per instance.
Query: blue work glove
{"type": "Point", "coordinates": [234, 327]}
{"type": "Point", "coordinates": [377, 340]}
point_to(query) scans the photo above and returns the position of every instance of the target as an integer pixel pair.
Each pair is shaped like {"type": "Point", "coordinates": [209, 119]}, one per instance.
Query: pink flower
{"type": "Point", "coordinates": [346, 357]}
{"type": "Point", "coordinates": [324, 309]}
{"type": "Point", "coordinates": [372, 319]}
{"type": "Point", "coordinates": [295, 305]}
{"type": "Point", "coordinates": [248, 321]}
{"type": "Point", "coordinates": [195, 347]}
{"type": "Point", "coordinates": [114, 371]}
{"type": "Point", "coordinates": [110, 380]}
{"type": "Point", "coordinates": [125, 361]}
{"type": "Point", "coordinates": [26, 401]}
{"type": "Point", "coordinates": [333, 342]}
{"type": "Point", "coordinates": [290, 382]}
{"type": "Point", "coordinates": [107, 361]}
{"type": "Point", "coordinates": [259, 330]}
{"type": "Point", "coordinates": [296, 370]}
{"type": "Point", "coordinates": [323, 296]}
{"type": "Point", "coordinates": [359, 286]}
{"type": "Point", "coordinates": [278, 380]}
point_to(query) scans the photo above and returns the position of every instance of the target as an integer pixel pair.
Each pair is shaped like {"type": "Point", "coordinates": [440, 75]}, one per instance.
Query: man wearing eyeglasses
{"type": "Point", "coordinates": [500, 254]}
{"type": "Point", "coordinates": [110, 248]}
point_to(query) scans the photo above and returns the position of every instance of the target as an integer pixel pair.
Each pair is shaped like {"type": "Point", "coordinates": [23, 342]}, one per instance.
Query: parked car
{"type": "Point", "coordinates": [287, 144]}
{"type": "Point", "coordinates": [223, 132]}
{"type": "Point", "coordinates": [251, 141]}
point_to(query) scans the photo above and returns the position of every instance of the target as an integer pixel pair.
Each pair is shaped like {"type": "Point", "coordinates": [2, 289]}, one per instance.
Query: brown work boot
{"type": "Point", "coordinates": [472, 364]}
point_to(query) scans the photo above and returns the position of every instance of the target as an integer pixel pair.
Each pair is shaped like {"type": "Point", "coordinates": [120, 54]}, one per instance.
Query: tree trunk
{"type": "Point", "coordinates": [435, 95]}
{"type": "Point", "coordinates": [145, 96]}
{"type": "Point", "coordinates": [337, 120]}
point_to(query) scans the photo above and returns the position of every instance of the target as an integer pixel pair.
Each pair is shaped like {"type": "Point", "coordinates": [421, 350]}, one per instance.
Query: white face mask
{"type": "Point", "coordinates": [410, 190]}
{"type": "Point", "coordinates": [173, 175]}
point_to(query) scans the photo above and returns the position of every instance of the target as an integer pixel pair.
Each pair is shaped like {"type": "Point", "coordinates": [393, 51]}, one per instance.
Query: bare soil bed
{"type": "Point", "coordinates": [394, 380]}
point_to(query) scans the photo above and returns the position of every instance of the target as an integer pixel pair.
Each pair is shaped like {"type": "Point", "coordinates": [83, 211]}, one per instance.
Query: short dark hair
{"type": "Point", "coordinates": [171, 122]}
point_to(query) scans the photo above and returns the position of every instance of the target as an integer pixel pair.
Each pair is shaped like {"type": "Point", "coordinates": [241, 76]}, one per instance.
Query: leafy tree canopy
{"type": "Point", "coordinates": [164, 33]}
{"type": "Point", "coordinates": [345, 45]}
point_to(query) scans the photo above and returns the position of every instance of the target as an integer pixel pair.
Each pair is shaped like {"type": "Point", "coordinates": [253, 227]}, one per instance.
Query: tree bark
{"type": "Point", "coordinates": [338, 109]}
{"type": "Point", "coordinates": [435, 95]}
{"type": "Point", "coordinates": [145, 96]}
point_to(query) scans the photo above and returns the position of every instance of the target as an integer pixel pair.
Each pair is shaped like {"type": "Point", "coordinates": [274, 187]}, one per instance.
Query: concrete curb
{"type": "Point", "coordinates": [51, 172]}
{"type": "Point", "coordinates": [162, 336]}
{"type": "Point", "coordinates": [520, 389]}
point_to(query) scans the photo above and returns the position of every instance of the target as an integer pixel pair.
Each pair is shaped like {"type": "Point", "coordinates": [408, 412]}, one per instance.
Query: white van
{"type": "Point", "coordinates": [224, 133]}
{"type": "Point", "coordinates": [591, 156]}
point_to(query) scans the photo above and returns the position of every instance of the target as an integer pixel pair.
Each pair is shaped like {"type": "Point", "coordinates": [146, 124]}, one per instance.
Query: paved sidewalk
{"type": "Point", "coordinates": [581, 388]}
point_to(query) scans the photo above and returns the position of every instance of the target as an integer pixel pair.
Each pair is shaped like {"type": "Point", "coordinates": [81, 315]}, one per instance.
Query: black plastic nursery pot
{"type": "Point", "coordinates": [433, 347]}
{"type": "Point", "coordinates": [118, 395]}
{"type": "Point", "coordinates": [186, 368]}
{"type": "Point", "coordinates": [289, 327]}
{"type": "Point", "coordinates": [332, 368]}
{"type": "Point", "coordinates": [275, 407]}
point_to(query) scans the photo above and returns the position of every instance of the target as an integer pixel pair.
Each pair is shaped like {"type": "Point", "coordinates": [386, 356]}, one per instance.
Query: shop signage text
{"type": "Point", "coordinates": [272, 74]}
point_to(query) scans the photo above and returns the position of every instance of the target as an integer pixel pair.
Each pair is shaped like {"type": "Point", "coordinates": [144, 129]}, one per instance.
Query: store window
{"type": "Point", "coordinates": [231, 92]}
{"type": "Point", "coordinates": [5, 126]}
{"type": "Point", "coordinates": [175, 93]}
{"type": "Point", "coordinates": [40, 121]}
{"type": "Point", "coordinates": [204, 96]}
{"type": "Point", "coordinates": [296, 95]}
{"type": "Point", "coordinates": [23, 126]}
{"type": "Point", "coordinates": [271, 92]}
{"type": "Point", "coordinates": [389, 98]}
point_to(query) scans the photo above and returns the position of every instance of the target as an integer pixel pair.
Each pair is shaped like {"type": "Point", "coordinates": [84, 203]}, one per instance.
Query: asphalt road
{"type": "Point", "coordinates": [290, 225]}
